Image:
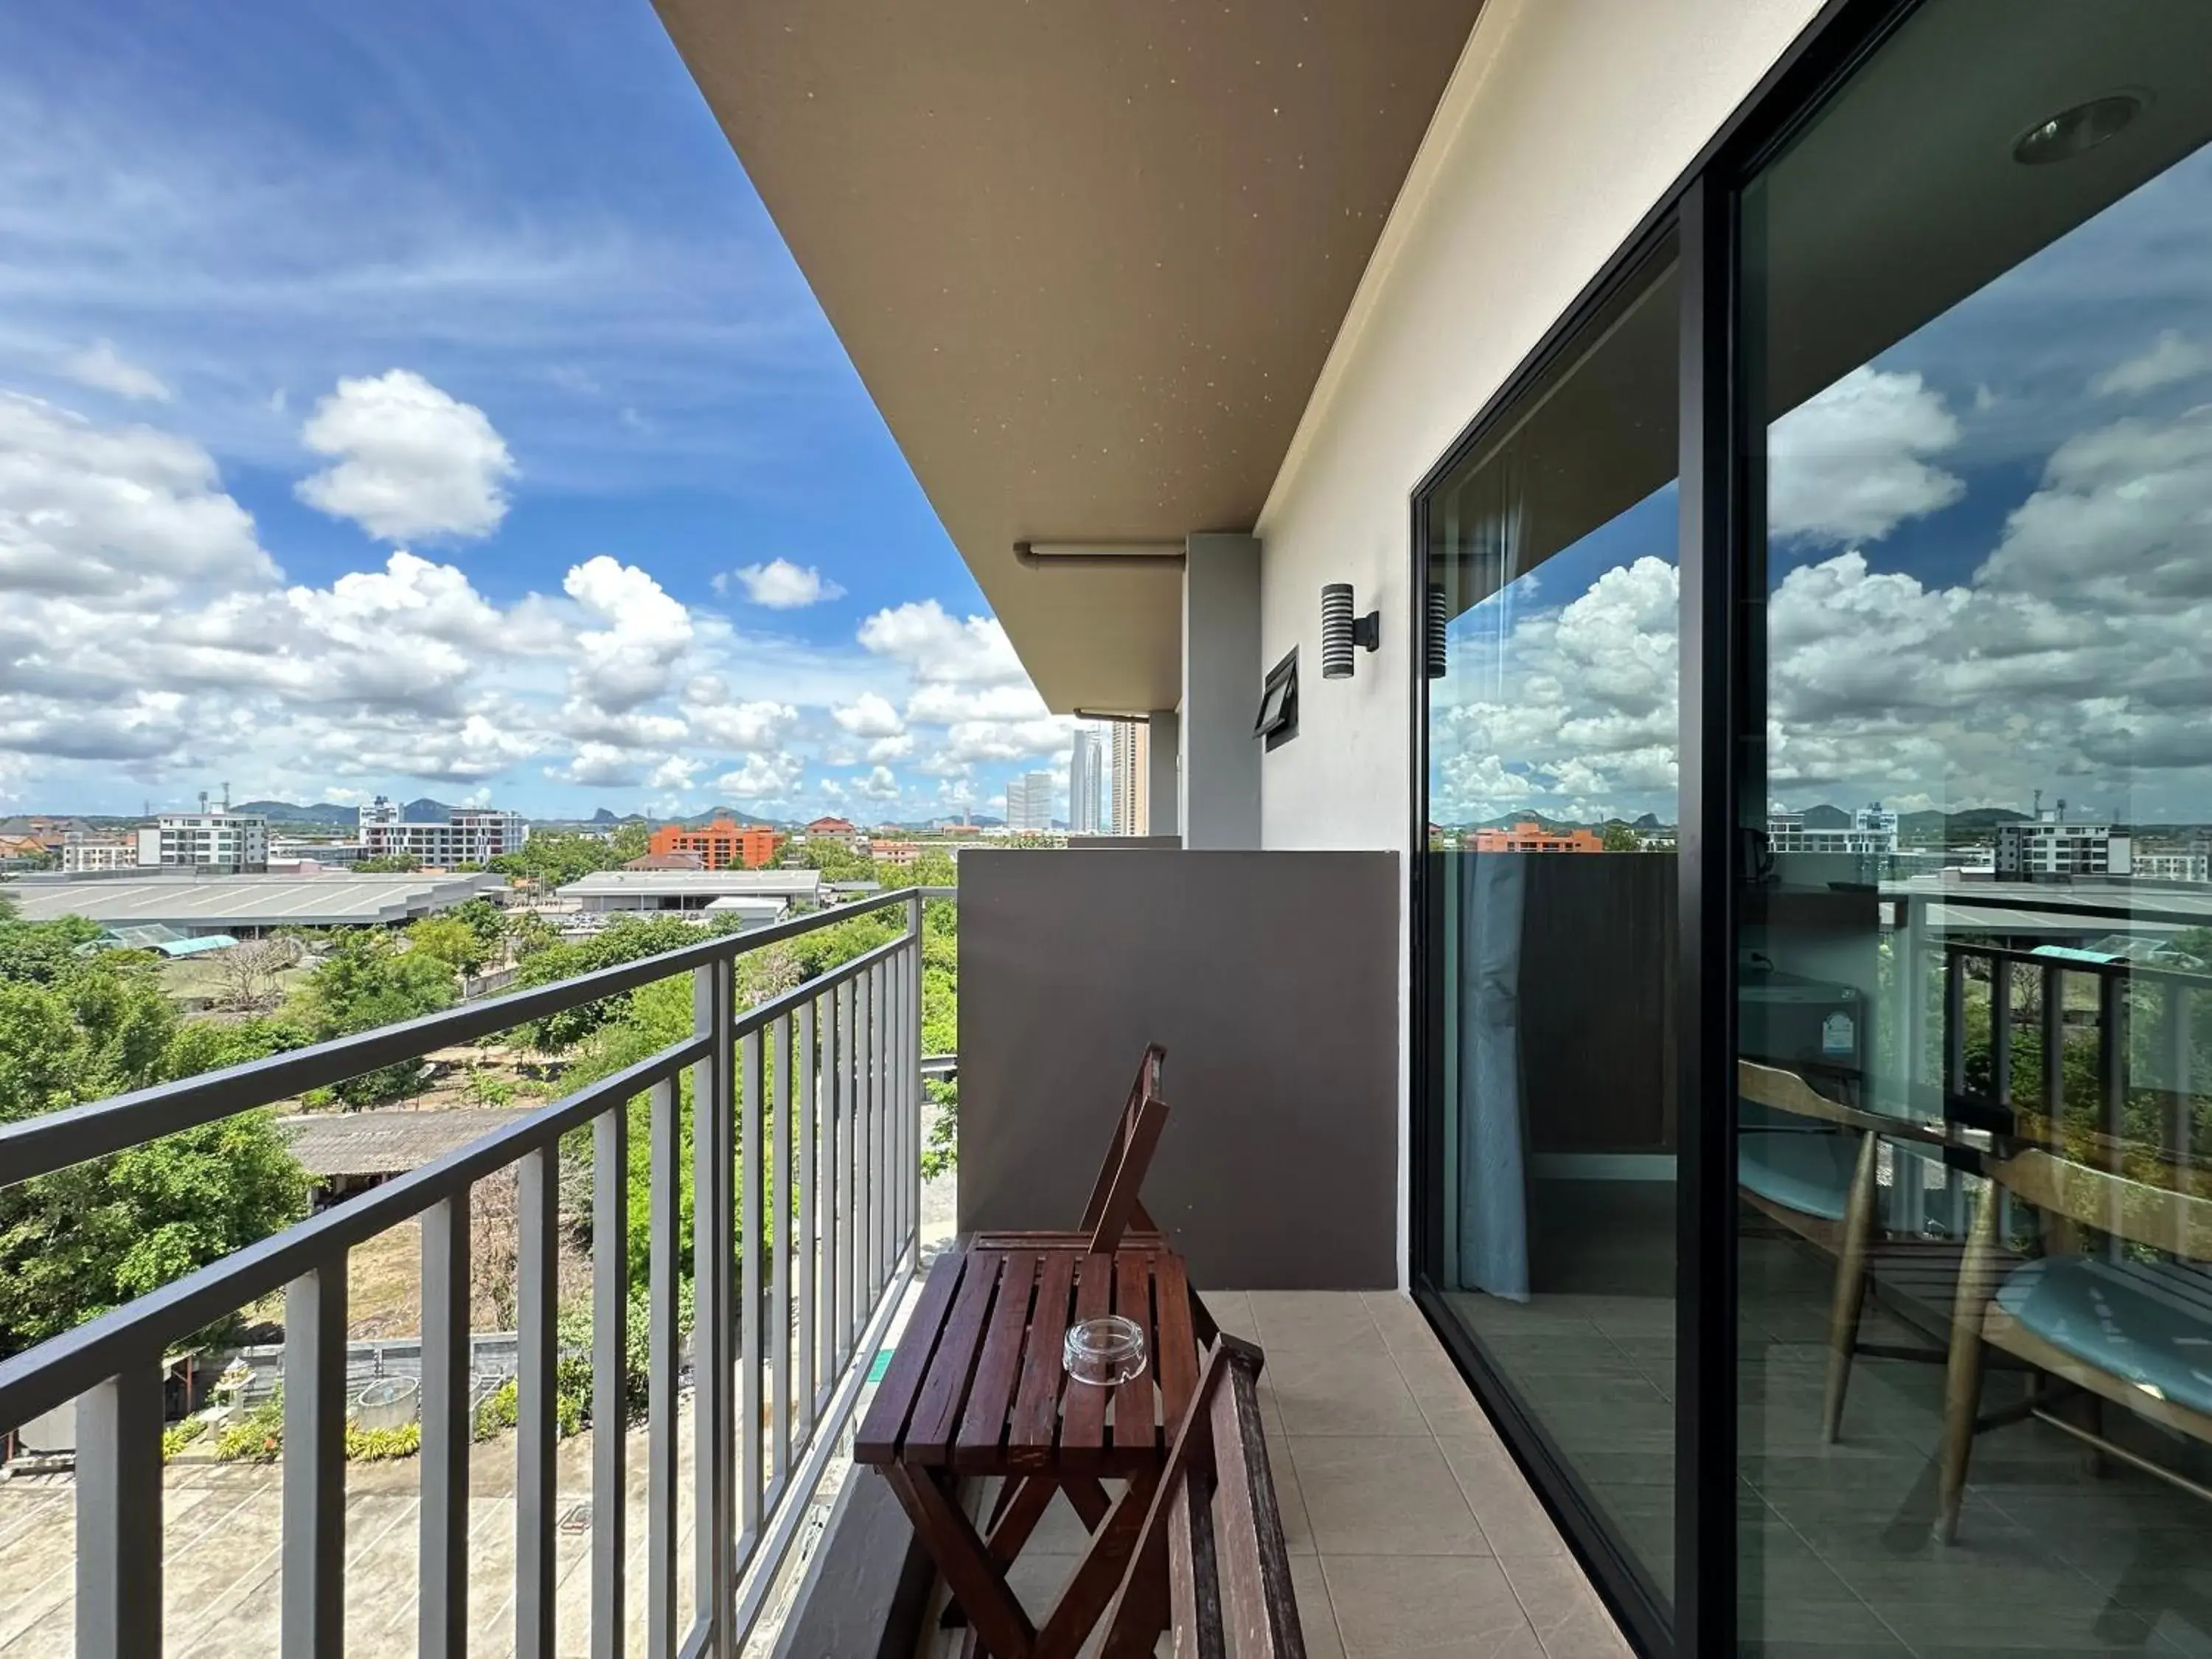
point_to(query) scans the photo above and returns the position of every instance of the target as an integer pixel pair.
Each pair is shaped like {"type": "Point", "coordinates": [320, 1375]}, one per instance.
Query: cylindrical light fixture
{"type": "Point", "coordinates": [1342, 633]}
{"type": "Point", "coordinates": [1434, 619]}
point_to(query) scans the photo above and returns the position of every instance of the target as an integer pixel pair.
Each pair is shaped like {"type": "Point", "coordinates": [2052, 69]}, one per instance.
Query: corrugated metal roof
{"type": "Point", "coordinates": [197, 903]}
{"type": "Point", "coordinates": [389, 1143]}
{"type": "Point", "coordinates": [796, 884]}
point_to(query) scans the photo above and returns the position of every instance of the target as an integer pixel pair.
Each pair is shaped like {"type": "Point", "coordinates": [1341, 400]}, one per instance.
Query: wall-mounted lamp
{"type": "Point", "coordinates": [1341, 633]}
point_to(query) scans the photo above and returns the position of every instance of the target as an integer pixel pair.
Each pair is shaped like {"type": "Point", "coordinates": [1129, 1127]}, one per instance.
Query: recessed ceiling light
{"type": "Point", "coordinates": [2073, 132]}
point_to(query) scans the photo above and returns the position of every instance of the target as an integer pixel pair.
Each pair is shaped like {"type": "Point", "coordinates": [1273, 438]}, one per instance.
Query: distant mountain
{"type": "Point", "coordinates": [1826, 818]}
{"type": "Point", "coordinates": [1975, 823]}
{"type": "Point", "coordinates": [283, 812]}
{"type": "Point", "coordinates": [425, 810]}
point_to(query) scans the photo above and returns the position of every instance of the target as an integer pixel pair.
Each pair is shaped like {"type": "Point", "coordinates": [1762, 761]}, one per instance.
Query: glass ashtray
{"type": "Point", "coordinates": [1104, 1351]}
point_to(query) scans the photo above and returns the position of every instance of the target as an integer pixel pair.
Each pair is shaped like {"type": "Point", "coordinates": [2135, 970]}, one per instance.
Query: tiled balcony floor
{"type": "Point", "coordinates": [1411, 1531]}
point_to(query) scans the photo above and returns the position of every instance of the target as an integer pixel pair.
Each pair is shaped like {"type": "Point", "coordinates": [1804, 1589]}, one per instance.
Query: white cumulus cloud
{"type": "Point", "coordinates": [104, 368]}
{"type": "Point", "coordinates": [2173, 356]}
{"type": "Point", "coordinates": [411, 459]}
{"type": "Point", "coordinates": [780, 585]}
{"type": "Point", "coordinates": [1849, 464]}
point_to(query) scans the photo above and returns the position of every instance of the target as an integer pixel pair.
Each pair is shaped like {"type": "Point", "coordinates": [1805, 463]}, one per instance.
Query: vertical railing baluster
{"type": "Point", "coordinates": [916, 1098]}
{"type": "Point", "coordinates": [713, 1306]}
{"type": "Point", "coordinates": [894, 1187]}
{"type": "Point", "coordinates": [118, 1517]}
{"type": "Point", "coordinates": [806, 1234]}
{"type": "Point", "coordinates": [2054, 1047]}
{"type": "Point", "coordinates": [663, 1179]}
{"type": "Point", "coordinates": [835, 1341]}
{"type": "Point", "coordinates": [536, 1420]}
{"type": "Point", "coordinates": [2180, 1064]}
{"type": "Point", "coordinates": [441, 1624]}
{"type": "Point", "coordinates": [777, 1238]}
{"type": "Point", "coordinates": [1954, 1022]}
{"type": "Point", "coordinates": [2001, 1031]}
{"type": "Point", "coordinates": [864, 1113]}
{"type": "Point", "coordinates": [609, 1373]}
{"type": "Point", "coordinates": [879, 1009]}
{"type": "Point", "coordinates": [2112, 1084]}
{"type": "Point", "coordinates": [750, 1224]}
{"type": "Point", "coordinates": [312, 1544]}
{"type": "Point", "coordinates": [849, 1241]}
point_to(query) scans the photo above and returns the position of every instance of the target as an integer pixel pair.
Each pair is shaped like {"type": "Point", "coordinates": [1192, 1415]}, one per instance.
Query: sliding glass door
{"type": "Point", "coordinates": [1551, 738]}
{"type": "Point", "coordinates": [1921, 1143]}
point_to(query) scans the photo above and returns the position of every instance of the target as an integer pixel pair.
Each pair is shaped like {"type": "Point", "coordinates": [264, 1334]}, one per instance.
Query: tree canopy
{"type": "Point", "coordinates": [77, 1025]}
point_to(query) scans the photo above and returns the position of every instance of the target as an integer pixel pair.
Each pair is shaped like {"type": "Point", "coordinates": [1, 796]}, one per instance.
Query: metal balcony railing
{"type": "Point", "coordinates": [801, 1247]}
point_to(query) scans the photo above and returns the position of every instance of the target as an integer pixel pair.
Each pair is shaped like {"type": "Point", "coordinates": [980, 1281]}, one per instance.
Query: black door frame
{"type": "Point", "coordinates": [1722, 529]}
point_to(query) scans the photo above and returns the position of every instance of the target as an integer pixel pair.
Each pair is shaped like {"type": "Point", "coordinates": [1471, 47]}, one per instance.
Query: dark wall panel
{"type": "Point", "coordinates": [1271, 978]}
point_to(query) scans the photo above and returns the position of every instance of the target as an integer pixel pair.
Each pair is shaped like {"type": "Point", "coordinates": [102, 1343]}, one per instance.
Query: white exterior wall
{"type": "Point", "coordinates": [1564, 123]}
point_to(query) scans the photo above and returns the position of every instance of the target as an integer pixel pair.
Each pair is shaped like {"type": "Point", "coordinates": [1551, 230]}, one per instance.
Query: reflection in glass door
{"type": "Point", "coordinates": [1975, 1085]}
{"type": "Point", "coordinates": [1549, 942]}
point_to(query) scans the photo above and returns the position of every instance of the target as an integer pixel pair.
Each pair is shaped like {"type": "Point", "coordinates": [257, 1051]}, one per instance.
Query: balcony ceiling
{"type": "Point", "coordinates": [1087, 257]}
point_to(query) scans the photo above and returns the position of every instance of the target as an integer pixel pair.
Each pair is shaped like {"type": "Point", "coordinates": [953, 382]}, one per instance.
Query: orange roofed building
{"type": "Point", "coordinates": [722, 845]}
{"type": "Point", "coordinates": [1532, 838]}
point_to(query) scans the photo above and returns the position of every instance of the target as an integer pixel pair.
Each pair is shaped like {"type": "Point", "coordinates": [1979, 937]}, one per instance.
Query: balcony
{"type": "Point", "coordinates": [720, 1520]}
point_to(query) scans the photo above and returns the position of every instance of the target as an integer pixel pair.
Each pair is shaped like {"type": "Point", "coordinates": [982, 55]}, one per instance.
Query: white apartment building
{"type": "Point", "coordinates": [1132, 767]}
{"type": "Point", "coordinates": [1086, 785]}
{"type": "Point", "coordinates": [1029, 802]}
{"type": "Point", "coordinates": [2048, 847]}
{"type": "Point", "coordinates": [1872, 832]}
{"type": "Point", "coordinates": [233, 842]}
{"type": "Point", "coordinates": [2193, 865]}
{"type": "Point", "coordinates": [88, 857]}
{"type": "Point", "coordinates": [471, 835]}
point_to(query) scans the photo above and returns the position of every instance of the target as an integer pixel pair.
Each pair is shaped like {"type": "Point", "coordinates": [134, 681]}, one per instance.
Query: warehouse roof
{"type": "Point", "coordinates": [388, 1142]}
{"type": "Point", "coordinates": [786, 884]}
{"type": "Point", "coordinates": [224, 904]}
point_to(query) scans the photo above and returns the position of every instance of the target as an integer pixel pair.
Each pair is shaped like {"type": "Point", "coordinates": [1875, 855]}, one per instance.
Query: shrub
{"type": "Point", "coordinates": [382, 1445]}
{"type": "Point", "coordinates": [256, 1437]}
{"type": "Point", "coordinates": [178, 1436]}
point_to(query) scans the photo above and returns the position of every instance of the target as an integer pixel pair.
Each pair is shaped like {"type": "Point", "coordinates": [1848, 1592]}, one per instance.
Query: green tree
{"type": "Point", "coordinates": [78, 1026]}
{"type": "Point", "coordinates": [629, 841]}
{"type": "Point", "coordinates": [625, 938]}
{"type": "Point", "coordinates": [366, 981]}
{"type": "Point", "coordinates": [836, 862]}
{"type": "Point", "coordinates": [450, 940]}
{"type": "Point", "coordinates": [553, 857]}
{"type": "Point", "coordinates": [393, 864]}
{"type": "Point", "coordinates": [1618, 837]}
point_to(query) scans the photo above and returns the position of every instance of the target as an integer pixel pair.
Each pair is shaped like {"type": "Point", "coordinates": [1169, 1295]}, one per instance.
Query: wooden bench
{"type": "Point", "coordinates": [1210, 1562]}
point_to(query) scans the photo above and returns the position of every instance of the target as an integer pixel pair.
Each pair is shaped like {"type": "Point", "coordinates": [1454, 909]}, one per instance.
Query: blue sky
{"type": "Point", "coordinates": [393, 398]}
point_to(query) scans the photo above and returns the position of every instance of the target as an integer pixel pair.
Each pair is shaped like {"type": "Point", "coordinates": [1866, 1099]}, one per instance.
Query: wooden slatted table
{"type": "Point", "coordinates": [977, 1388]}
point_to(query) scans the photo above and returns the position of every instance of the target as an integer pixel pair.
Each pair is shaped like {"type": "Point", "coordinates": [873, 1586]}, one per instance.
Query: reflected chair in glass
{"type": "Point", "coordinates": [1811, 1165]}
{"type": "Point", "coordinates": [2133, 1326]}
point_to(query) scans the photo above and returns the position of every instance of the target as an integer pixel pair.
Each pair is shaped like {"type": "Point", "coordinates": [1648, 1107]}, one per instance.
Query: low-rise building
{"type": "Point", "coordinates": [1872, 832]}
{"type": "Point", "coordinates": [2049, 847]}
{"type": "Point", "coordinates": [87, 856]}
{"type": "Point", "coordinates": [1528, 837]}
{"type": "Point", "coordinates": [469, 834]}
{"type": "Point", "coordinates": [721, 845]}
{"type": "Point", "coordinates": [654, 890]}
{"type": "Point", "coordinates": [837, 830]}
{"type": "Point", "coordinates": [899, 855]}
{"type": "Point", "coordinates": [229, 844]}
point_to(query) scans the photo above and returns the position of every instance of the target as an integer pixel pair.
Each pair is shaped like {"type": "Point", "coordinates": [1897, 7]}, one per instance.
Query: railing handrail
{"type": "Point", "coordinates": [66, 1364]}
{"type": "Point", "coordinates": [55, 1140]}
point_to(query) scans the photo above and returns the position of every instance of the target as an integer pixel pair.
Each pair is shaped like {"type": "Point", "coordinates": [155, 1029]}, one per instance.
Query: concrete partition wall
{"type": "Point", "coordinates": [1271, 978]}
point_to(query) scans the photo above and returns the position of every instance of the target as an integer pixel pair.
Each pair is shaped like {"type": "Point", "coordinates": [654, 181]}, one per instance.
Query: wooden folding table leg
{"type": "Point", "coordinates": [1017, 1518]}
{"type": "Point", "coordinates": [973, 1577]}
{"type": "Point", "coordinates": [1088, 1498]}
{"type": "Point", "coordinates": [1098, 1575]}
